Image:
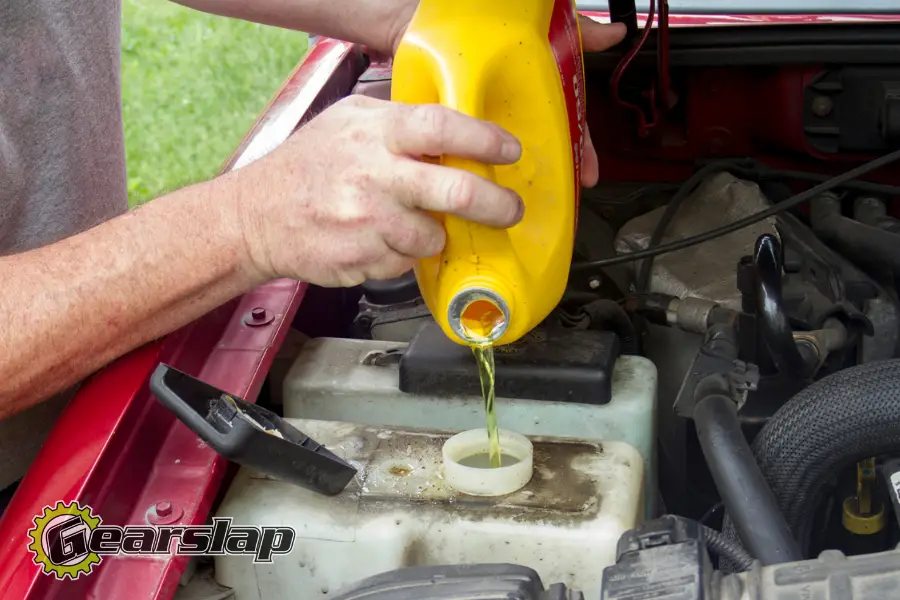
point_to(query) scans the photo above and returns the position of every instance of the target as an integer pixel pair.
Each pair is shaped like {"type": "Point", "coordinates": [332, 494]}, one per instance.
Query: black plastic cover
{"type": "Point", "coordinates": [890, 471]}
{"type": "Point", "coordinates": [458, 582]}
{"type": "Point", "coordinates": [550, 363]}
{"type": "Point", "coordinates": [392, 291]}
{"type": "Point", "coordinates": [664, 559]}
{"type": "Point", "coordinates": [250, 435]}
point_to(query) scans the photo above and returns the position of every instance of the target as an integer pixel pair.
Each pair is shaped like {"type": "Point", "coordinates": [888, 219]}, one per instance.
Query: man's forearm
{"type": "Point", "coordinates": [376, 23]}
{"type": "Point", "coordinates": [70, 308]}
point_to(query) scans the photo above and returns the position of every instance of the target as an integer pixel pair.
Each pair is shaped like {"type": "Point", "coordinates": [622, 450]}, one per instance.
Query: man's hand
{"type": "Point", "coordinates": [596, 37]}
{"type": "Point", "coordinates": [380, 25]}
{"type": "Point", "coordinates": [344, 199]}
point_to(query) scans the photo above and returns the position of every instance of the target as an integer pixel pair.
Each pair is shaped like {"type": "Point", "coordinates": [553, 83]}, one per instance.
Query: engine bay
{"type": "Point", "coordinates": [728, 340]}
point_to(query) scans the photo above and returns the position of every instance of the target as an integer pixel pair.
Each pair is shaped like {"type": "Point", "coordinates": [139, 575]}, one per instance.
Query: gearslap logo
{"type": "Point", "coordinates": [68, 540]}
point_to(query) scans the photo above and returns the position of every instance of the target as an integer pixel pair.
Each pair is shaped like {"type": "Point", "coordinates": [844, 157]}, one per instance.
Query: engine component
{"type": "Point", "coordinates": [668, 562]}
{"type": "Point", "coordinates": [829, 426]}
{"type": "Point", "coordinates": [391, 310]}
{"type": "Point", "coordinates": [890, 472]}
{"type": "Point", "coordinates": [853, 110]}
{"type": "Point", "coordinates": [866, 245]}
{"type": "Point", "coordinates": [744, 491]}
{"type": "Point", "coordinates": [863, 514]}
{"type": "Point", "coordinates": [772, 320]}
{"type": "Point", "coordinates": [661, 560]}
{"type": "Point", "coordinates": [819, 284]}
{"type": "Point", "coordinates": [712, 234]}
{"type": "Point", "coordinates": [459, 582]}
{"type": "Point", "coordinates": [549, 363]}
{"type": "Point", "coordinates": [357, 381]}
{"type": "Point", "coordinates": [666, 556]}
{"type": "Point", "coordinates": [605, 314]}
{"type": "Point", "coordinates": [873, 211]}
{"type": "Point", "coordinates": [401, 512]}
{"type": "Point", "coordinates": [705, 271]}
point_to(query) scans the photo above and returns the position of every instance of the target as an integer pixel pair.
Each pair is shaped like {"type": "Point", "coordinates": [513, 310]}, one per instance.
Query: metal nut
{"type": "Point", "coordinates": [822, 106]}
{"type": "Point", "coordinates": [164, 513]}
{"type": "Point", "coordinates": [258, 316]}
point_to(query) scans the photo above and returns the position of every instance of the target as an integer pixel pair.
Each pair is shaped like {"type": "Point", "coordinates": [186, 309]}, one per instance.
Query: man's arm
{"type": "Point", "coordinates": [70, 308]}
{"type": "Point", "coordinates": [380, 25]}
{"type": "Point", "coordinates": [339, 202]}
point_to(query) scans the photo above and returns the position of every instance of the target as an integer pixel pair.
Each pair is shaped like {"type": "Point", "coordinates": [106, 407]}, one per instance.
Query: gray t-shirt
{"type": "Point", "coordinates": [62, 157]}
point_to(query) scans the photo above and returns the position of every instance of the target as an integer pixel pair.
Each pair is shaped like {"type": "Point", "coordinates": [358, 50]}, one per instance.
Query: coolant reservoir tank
{"type": "Point", "coordinates": [516, 63]}
{"type": "Point", "coordinates": [563, 518]}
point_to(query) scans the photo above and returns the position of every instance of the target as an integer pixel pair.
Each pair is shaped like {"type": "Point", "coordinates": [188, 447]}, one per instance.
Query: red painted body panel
{"type": "Point", "coordinates": [676, 20]}
{"type": "Point", "coordinates": [116, 448]}
{"type": "Point", "coordinates": [120, 451]}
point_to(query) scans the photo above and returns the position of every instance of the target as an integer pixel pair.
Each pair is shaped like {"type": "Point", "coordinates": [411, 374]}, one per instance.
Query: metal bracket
{"type": "Point", "coordinates": [715, 365]}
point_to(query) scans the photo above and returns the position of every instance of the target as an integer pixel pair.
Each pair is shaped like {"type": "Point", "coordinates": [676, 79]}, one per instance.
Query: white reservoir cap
{"type": "Point", "coordinates": [487, 482]}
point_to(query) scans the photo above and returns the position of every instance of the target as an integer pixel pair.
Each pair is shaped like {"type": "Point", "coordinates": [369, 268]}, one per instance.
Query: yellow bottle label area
{"type": "Point", "coordinates": [516, 63]}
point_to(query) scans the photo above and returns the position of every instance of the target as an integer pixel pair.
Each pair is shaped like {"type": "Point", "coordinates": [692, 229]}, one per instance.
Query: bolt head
{"type": "Point", "coordinates": [258, 313]}
{"type": "Point", "coordinates": [163, 509]}
{"type": "Point", "coordinates": [822, 106]}
{"type": "Point", "coordinates": [594, 283]}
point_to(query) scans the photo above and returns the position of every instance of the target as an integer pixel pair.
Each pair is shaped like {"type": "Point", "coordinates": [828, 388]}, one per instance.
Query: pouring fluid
{"type": "Point", "coordinates": [484, 356]}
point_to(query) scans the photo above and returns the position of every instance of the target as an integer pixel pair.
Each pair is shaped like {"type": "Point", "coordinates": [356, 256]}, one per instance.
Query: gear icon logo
{"type": "Point", "coordinates": [60, 540]}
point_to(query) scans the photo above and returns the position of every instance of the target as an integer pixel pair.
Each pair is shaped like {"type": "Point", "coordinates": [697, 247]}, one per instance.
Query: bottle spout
{"type": "Point", "coordinates": [478, 315]}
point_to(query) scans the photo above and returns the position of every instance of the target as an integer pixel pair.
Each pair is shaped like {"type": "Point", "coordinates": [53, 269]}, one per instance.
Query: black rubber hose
{"type": "Point", "coordinates": [863, 244]}
{"type": "Point", "coordinates": [828, 427]}
{"type": "Point", "coordinates": [774, 327]}
{"type": "Point", "coordinates": [608, 314]}
{"type": "Point", "coordinates": [744, 491]}
{"type": "Point", "coordinates": [726, 549]}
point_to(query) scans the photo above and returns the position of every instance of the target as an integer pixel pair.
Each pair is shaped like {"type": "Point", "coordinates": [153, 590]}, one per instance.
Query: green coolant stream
{"type": "Point", "coordinates": [484, 356]}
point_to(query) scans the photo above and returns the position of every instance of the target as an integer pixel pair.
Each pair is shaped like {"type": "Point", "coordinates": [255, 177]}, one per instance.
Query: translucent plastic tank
{"type": "Point", "coordinates": [400, 511]}
{"type": "Point", "coordinates": [358, 381]}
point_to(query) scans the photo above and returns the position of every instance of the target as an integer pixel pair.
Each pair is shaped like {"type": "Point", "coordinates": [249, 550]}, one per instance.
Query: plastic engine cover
{"type": "Point", "coordinates": [459, 582]}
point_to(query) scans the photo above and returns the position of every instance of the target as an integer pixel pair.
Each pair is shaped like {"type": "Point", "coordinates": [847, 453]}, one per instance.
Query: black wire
{"type": "Point", "coordinates": [745, 222]}
{"type": "Point", "coordinates": [764, 172]}
{"type": "Point", "coordinates": [709, 513]}
{"type": "Point", "coordinates": [726, 548]}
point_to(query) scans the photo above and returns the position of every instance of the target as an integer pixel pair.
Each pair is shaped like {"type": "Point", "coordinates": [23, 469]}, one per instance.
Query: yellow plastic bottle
{"type": "Point", "coordinates": [516, 63]}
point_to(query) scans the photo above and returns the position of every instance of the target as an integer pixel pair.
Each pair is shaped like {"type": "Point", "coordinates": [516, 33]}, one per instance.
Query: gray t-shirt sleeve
{"type": "Point", "coordinates": [62, 158]}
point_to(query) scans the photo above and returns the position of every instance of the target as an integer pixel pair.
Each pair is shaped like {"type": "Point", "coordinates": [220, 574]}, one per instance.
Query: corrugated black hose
{"type": "Point", "coordinates": [828, 427]}
{"type": "Point", "coordinates": [726, 549]}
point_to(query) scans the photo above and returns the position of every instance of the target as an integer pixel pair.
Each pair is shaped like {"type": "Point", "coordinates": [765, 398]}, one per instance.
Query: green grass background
{"type": "Point", "coordinates": [192, 85]}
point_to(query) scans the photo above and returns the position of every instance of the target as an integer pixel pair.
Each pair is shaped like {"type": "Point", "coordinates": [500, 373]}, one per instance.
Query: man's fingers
{"type": "Point", "coordinates": [590, 165]}
{"type": "Point", "coordinates": [434, 130]}
{"type": "Point", "coordinates": [415, 234]}
{"type": "Point", "coordinates": [597, 37]}
{"type": "Point", "coordinates": [455, 191]}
